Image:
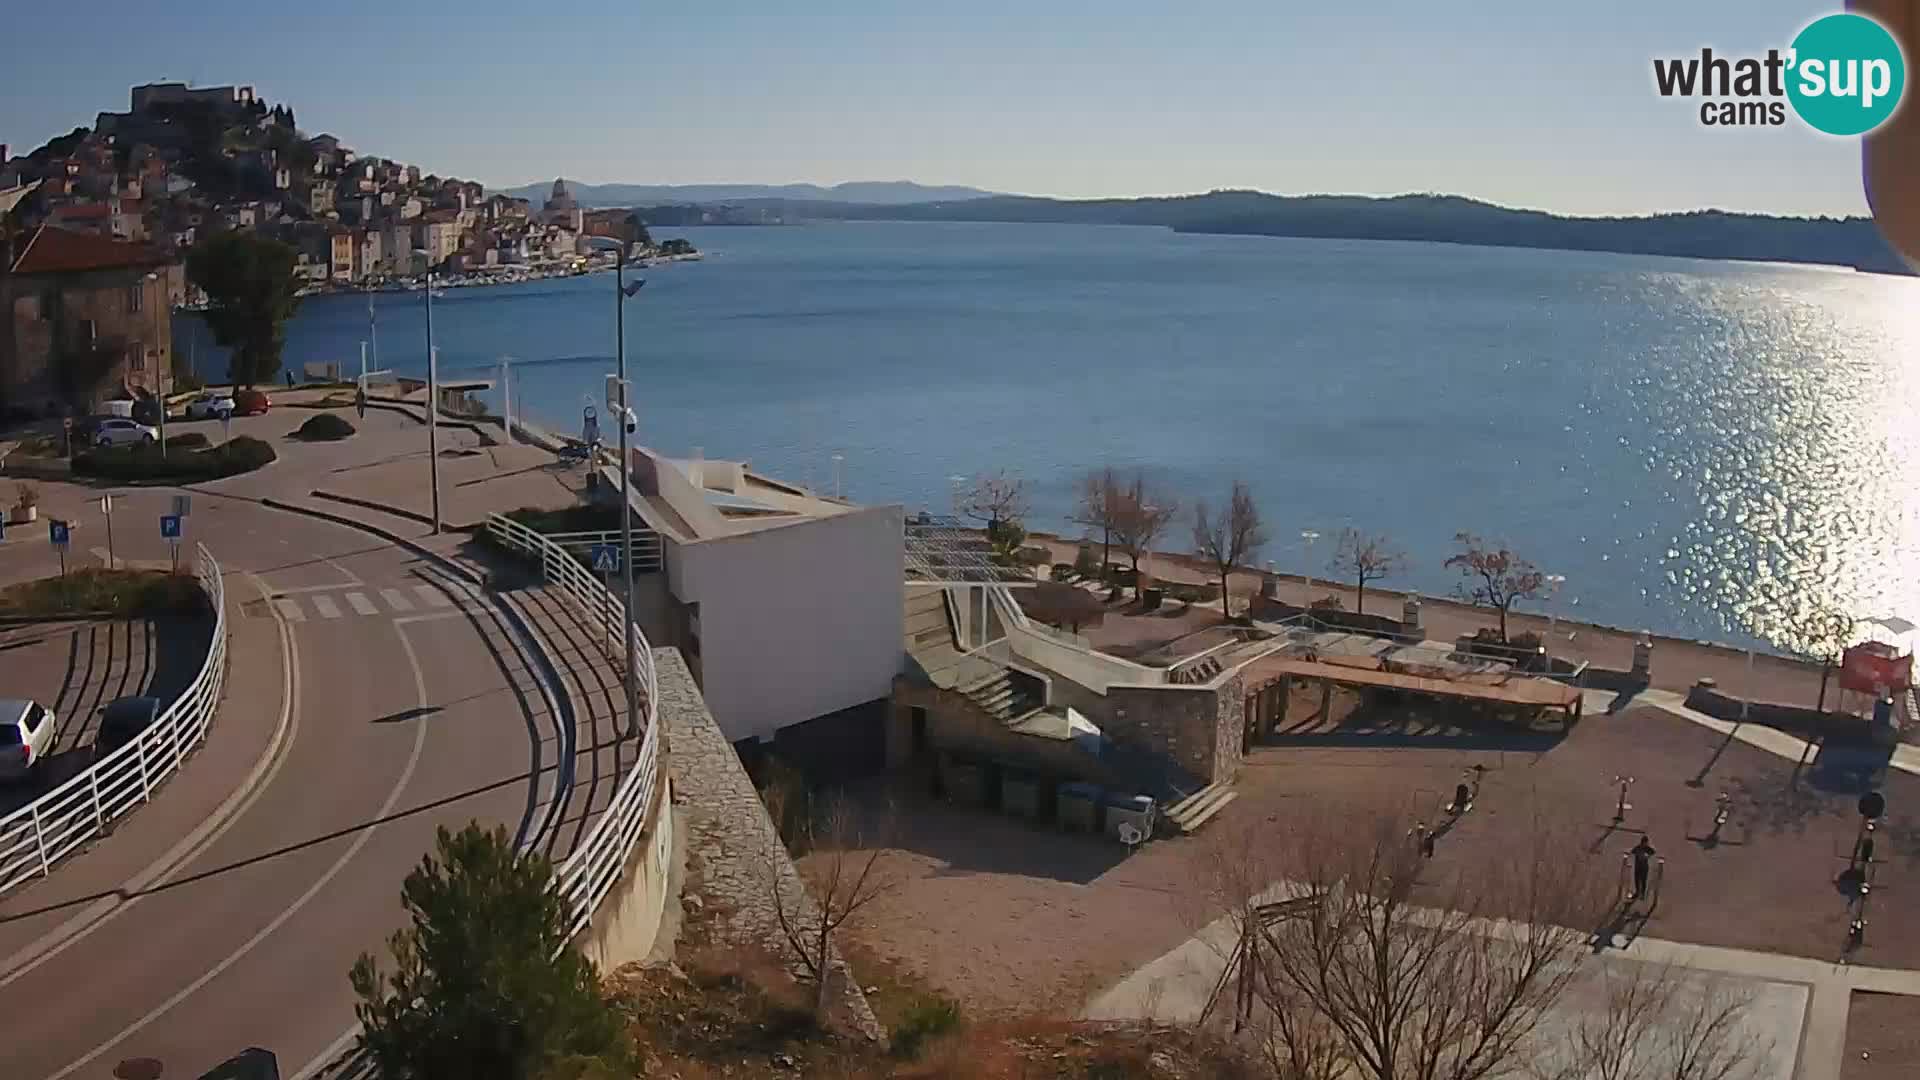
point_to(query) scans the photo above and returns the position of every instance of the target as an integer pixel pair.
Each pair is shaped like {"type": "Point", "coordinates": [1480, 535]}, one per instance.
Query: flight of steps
{"type": "Point", "coordinates": [1198, 808]}
{"type": "Point", "coordinates": [926, 620]}
{"type": "Point", "coordinates": [1199, 672]}
{"type": "Point", "coordinates": [998, 697]}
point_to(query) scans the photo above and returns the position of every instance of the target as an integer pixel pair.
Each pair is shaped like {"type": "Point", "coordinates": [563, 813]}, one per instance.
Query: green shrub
{"type": "Point", "coordinates": [179, 464]}
{"type": "Point", "coordinates": [928, 1019]}
{"type": "Point", "coordinates": [484, 981]}
{"type": "Point", "coordinates": [192, 440]}
{"type": "Point", "coordinates": [324, 426]}
{"type": "Point", "coordinates": [119, 592]}
{"type": "Point", "coordinates": [245, 453]}
{"type": "Point", "coordinates": [1063, 572]}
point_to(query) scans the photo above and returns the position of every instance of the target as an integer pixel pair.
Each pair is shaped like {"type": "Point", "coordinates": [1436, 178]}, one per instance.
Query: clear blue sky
{"type": "Point", "coordinates": [1543, 104]}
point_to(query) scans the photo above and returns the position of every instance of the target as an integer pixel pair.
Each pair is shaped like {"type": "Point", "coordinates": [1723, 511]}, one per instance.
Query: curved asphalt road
{"type": "Point", "coordinates": [404, 715]}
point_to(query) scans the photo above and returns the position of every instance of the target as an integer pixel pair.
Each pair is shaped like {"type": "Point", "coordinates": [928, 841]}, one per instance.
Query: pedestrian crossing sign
{"type": "Point", "coordinates": [605, 558]}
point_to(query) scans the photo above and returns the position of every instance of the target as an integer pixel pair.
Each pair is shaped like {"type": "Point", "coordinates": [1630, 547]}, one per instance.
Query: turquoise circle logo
{"type": "Point", "coordinates": [1848, 74]}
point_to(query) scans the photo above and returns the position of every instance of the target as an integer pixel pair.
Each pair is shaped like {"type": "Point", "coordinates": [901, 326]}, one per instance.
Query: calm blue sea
{"type": "Point", "coordinates": [1701, 448]}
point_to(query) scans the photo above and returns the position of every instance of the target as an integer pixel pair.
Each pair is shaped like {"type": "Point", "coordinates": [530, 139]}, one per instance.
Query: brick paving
{"type": "Point", "coordinates": [1883, 1038]}
{"type": "Point", "coordinates": [1770, 884]}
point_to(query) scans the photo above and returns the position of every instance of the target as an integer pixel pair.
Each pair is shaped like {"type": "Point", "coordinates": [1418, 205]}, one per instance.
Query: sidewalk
{"type": "Point", "coordinates": [1801, 1004]}
{"type": "Point", "coordinates": [1905, 757]}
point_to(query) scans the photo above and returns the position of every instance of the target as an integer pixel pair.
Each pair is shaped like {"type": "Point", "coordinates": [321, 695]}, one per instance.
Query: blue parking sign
{"type": "Point", "coordinates": [169, 526]}
{"type": "Point", "coordinates": [57, 532]}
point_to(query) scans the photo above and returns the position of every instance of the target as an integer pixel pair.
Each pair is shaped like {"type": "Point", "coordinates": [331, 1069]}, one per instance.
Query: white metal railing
{"type": "Point", "coordinates": [592, 869]}
{"type": "Point", "coordinates": [39, 834]}
{"type": "Point", "coordinates": [646, 545]}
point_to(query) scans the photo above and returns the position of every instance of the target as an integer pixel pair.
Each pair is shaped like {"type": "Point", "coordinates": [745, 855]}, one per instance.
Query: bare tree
{"type": "Point", "coordinates": [1654, 1022]}
{"type": "Point", "coordinates": [992, 498]}
{"type": "Point", "coordinates": [1335, 972]}
{"type": "Point", "coordinates": [997, 500]}
{"type": "Point", "coordinates": [1365, 557]}
{"type": "Point", "coordinates": [1142, 515]}
{"type": "Point", "coordinates": [1097, 506]}
{"type": "Point", "coordinates": [847, 867]}
{"type": "Point", "coordinates": [1825, 634]}
{"type": "Point", "coordinates": [1493, 576]}
{"type": "Point", "coordinates": [1228, 537]}
{"type": "Point", "coordinates": [1356, 979]}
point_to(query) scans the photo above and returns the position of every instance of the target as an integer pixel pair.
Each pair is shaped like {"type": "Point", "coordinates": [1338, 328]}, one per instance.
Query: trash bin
{"type": "Point", "coordinates": [1135, 811]}
{"type": "Point", "coordinates": [1080, 806]}
{"type": "Point", "coordinates": [966, 784]}
{"type": "Point", "coordinates": [1020, 795]}
{"type": "Point", "coordinates": [1151, 597]}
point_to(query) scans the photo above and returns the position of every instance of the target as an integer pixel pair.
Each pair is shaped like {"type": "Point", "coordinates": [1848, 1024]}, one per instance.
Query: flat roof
{"type": "Point", "coordinates": [1506, 689]}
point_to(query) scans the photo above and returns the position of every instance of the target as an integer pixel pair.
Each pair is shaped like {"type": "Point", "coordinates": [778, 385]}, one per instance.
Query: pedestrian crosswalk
{"type": "Point", "coordinates": [398, 601]}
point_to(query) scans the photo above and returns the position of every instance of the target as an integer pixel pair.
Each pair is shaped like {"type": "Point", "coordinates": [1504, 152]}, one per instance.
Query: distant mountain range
{"type": "Point", "coordinates": [866, 192]}
{"type": "Point", "coordinates": [1705, 234]}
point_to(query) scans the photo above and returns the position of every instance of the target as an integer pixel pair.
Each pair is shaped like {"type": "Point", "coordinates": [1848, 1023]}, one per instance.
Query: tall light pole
{"type": "Point", "coordinates": [624, 417]}
{"type": "Point", "coordinates": [1554, 581]}
{"type": "Point", "coordinates": [433, 409]}
{"type": "Point", "coordinates": [1307, 537]}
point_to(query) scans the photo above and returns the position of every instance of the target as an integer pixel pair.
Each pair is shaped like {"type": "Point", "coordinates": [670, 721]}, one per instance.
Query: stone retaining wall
{"type": "Point", "coordinates": [735, 858]}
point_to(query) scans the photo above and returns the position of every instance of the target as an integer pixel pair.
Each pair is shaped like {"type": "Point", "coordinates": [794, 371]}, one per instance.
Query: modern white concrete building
{"type": "Point", "coordinates": [786, 604]}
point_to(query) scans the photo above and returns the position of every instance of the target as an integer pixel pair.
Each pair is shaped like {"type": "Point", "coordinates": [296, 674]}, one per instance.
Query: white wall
{"type": "Point", "coordinates": [1093, 670]}
{"type": "Point", "coordinates": [796, 621]}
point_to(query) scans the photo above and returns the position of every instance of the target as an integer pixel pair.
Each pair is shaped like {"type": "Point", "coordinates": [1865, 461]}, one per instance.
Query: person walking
{"type": "Point", "coordinates": [1642, 864]}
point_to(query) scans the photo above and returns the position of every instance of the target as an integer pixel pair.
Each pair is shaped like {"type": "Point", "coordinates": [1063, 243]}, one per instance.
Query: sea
{"type": "Point", "coordinates": [1712, 449]}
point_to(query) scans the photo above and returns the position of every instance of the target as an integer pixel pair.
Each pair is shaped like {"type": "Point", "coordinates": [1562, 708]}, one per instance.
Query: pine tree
{"type": "Point", "coordinates": [485, 980]}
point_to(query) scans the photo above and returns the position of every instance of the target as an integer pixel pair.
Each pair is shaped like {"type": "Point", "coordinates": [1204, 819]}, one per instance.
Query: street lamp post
{"type": "Point", "coordinates": [433, 409]}
{"type": "Point", "coordinates": [625, 419]}
{"type": "Point", "coordinates": [1307, 537]}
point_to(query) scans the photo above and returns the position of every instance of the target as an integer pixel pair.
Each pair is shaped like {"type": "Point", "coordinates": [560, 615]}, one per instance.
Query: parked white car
{"type": "Point", "coordinates": [26, 736]}
{"type": "Point", "coordinates": [117, 432]}
{"type": "Point", "coordinates": [210, 407]}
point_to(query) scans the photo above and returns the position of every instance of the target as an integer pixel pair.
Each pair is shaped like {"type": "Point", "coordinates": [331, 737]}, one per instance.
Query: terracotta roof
{"type": "Point", "coordinates": [53, 250]}
{"type": "Point", "coordinates": [82, 212]}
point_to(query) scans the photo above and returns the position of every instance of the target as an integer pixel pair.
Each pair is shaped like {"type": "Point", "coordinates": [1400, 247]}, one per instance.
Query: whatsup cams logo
{"type": "Point", "coordinates": [1844, 74]}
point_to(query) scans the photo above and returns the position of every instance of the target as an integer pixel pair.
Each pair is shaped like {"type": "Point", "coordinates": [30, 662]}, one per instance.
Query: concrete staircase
{"type": "Point", "coordinates": [926, 620]}
{"type": "Point", "coordinates": [1198, 808]}
{"type": "Point", "coordinates": [1199, 672]}
{"type": "Point", "coordinates": [1000, 697]}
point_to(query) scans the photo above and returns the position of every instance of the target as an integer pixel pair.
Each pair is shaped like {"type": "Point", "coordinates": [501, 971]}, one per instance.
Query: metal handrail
{"type": "Point", "coordinates": [41, 833]}
{"type": "Point", "coordinates": [592, 869]}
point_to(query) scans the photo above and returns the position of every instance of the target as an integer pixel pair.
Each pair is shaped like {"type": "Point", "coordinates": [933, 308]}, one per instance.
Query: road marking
{"type": "Point", "coordinates": [106, 559]}
{"type": "Point", "coordinates": [196, 843]}
{"type": "Point", "coordinates": [324, 604]}
{"type": "Point", "coordinates": [361, 604]}
{"type": "Point", "coordinates": [433, 596]}
{"type": "Point", "coordinates": [396, 599]}
{"type": "Point", "coordinates": [352, 578]}
{"type": "Point", "coordinates": [359, 842]}
{"type": "Point", "coordinates": [290, 609]}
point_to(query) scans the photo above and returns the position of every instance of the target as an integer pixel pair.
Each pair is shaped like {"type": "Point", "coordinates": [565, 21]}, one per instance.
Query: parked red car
{"type": "Point", "coordinates": [251, 402]}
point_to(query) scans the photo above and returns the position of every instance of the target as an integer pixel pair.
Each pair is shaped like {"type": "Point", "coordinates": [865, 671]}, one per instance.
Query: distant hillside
{"type": "Point", "coordinates": [865, 192]}
{"type": "Point", "coordinates": [1706, 234]}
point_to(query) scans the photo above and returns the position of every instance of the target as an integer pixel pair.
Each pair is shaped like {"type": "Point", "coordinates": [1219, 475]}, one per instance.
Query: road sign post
{"type": "Point", "coordinates": [605, 559]}
{"type": "Point", "coordinates": [106, 507]}
{"type": "Point", "coordinates": [170, 532]}
{"type": "Point", "coordinates": [57, 532]}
